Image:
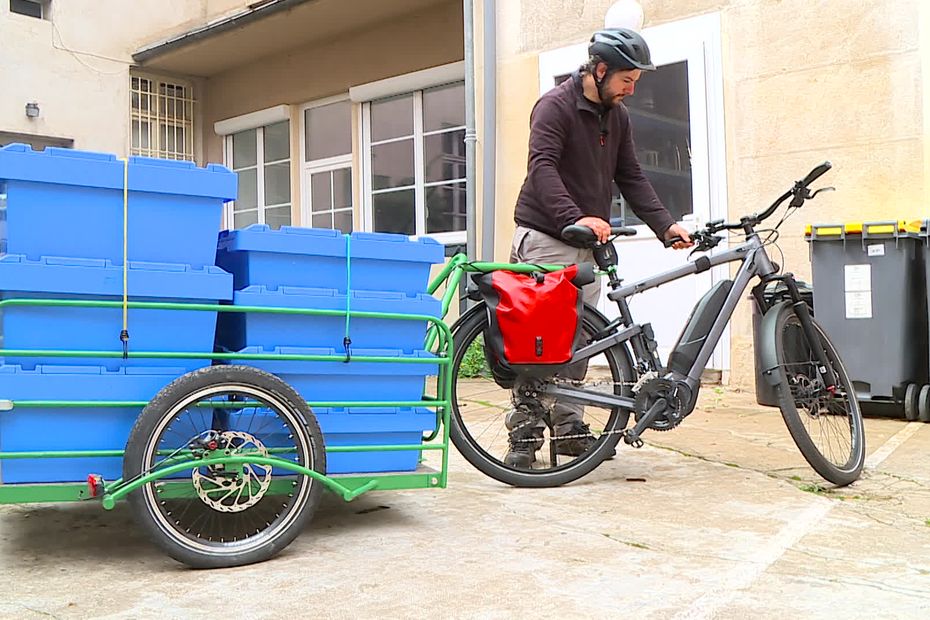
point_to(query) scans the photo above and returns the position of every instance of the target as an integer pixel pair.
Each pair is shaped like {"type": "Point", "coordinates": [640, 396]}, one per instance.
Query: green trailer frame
{"type": "Point", "coordinates": [348, 486]}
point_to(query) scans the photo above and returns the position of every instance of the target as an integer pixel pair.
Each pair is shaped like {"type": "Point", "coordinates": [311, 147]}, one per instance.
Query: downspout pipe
{"type": "Point", "coordinates": [471, 135]}
{"type": "Point", "coordinates": [489, 150]}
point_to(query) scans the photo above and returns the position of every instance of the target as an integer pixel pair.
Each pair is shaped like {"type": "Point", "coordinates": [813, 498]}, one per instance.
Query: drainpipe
{"type": "Point", "coordinates": [470, 134]}
{"type": "Point", "coordinates": [489, 176]}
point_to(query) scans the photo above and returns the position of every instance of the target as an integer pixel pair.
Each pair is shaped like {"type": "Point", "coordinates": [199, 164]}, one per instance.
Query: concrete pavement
{"type": "Point", "coordinates": [720, 518]}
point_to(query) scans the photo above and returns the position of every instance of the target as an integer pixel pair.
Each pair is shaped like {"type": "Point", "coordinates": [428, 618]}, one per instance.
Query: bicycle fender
{"type": "Point", "coordinates": [475, 309]}
{"type": "Point", "coordinates": [766, 342]}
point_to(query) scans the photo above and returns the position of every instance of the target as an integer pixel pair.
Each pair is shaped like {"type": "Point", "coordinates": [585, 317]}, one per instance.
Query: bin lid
{"type": "Point", "coordinates": [886, 228]}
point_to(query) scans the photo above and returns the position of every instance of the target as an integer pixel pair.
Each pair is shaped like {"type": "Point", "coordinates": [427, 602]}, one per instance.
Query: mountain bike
{"type": "Point", "coordinates": [624, 375]}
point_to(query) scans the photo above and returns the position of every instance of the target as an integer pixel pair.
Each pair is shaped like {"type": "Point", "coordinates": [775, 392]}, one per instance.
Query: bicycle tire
{"type": "Point", "coordinates": [160, 515]}
{"type": "Point", "coordinates": [620, 364]}
{"type": "Point", "coordinates": [790, 346]}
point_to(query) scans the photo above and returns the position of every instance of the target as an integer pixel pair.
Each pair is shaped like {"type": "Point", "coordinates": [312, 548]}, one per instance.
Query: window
{"type": "Point", "coordinates": [327, 165]}
{"type": "Point", "coordinates": [262, 159]}
{"type": "Point", "coordinates": [32, 8]}
{"type": "Point", "coordinates": [162, 116]}
{"type": "Point", "coordinates": [661, 120]}
{"type": "Point", "coordinates": [415, 162]}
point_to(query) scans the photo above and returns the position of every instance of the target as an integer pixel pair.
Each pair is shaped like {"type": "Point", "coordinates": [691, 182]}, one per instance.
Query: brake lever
{"type": "Point", "coordinates": [822, 189]}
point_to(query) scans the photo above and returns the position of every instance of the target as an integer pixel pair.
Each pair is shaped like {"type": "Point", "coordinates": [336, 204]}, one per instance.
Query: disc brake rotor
{"type": "Point", "coordinates": [234, 488]}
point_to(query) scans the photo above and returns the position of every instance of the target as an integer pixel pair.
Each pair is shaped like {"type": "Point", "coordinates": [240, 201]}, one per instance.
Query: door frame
{"type": "Point", "coordinates": [697, 40]}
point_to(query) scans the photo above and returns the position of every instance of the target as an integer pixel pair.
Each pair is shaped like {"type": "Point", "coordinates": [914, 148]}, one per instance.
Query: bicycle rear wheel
{"type": "Point", "coordinates": [827, 428]}
{"type": "Point", "coordinates": [480, 409]}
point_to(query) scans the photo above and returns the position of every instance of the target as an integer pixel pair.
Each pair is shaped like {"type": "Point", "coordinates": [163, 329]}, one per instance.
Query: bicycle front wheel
{"type": "Point", "coordinates": [482, 409]}
{"type": "Point", "coordinates": [827, 427]}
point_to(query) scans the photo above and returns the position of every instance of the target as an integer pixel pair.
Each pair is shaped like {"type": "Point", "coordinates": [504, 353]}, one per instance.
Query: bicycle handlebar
{"type": "Point", "coordinates": [816, 173]}
{"type": "Point", "coordinates": [799, 191]}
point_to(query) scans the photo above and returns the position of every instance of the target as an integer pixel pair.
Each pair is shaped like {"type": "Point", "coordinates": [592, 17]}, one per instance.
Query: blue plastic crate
{"type": "Point", "coordinates": [63, 202]}
{"type": "Point", "coordinates": [316, 258]}
{"type": "Point", "coordinates": [98, 329]}
{"type": "Point", "coordinates": [373, 427]}
{"type": "Point", "coordinates": [347, 382]}
{"type": "Point", "coordinates": [32, 429]}
{"type": "Point", "coordinates": [237, 330]}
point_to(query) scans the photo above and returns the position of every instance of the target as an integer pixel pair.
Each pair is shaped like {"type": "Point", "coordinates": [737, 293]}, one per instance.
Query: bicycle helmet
{"type": "Point", "coordinates": [621, 49]}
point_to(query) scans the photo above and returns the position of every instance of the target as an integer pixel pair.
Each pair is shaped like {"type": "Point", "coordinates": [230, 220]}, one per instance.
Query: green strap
{"type": "Point", "coordinates": [347, 341]}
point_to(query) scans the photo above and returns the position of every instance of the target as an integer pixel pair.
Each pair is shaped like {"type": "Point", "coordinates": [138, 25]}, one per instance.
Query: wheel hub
{"type": "Point", "coordinates": [233, 488]}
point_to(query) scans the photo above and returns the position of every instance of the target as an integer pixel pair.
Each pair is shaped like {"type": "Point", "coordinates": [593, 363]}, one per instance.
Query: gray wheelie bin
{"type": "Point", "coordinates": [871, 300]}
{"type": "Point", "coordinates": [923, 397]}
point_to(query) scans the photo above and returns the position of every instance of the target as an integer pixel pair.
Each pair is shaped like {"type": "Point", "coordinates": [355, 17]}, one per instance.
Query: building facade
{"type": "Point", "coordinates": [352, 115]}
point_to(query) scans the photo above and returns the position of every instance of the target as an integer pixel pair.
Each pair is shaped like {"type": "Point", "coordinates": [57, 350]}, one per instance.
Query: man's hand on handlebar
{"type": "Point", "coordinates": [677, 237]}
{"type": "Point", "coordinates": [599, 226]}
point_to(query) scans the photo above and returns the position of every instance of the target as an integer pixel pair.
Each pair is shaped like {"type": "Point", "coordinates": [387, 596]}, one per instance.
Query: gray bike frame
{"type": "Point", "coordinates": [755, 263]}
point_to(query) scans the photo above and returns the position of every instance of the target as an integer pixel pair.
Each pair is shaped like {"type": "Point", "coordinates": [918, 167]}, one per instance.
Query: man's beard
{"type": "Point", "coordinates": [609, 99]}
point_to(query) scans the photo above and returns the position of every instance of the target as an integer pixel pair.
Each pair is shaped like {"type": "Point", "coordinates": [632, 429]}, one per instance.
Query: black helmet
{"type": "Point", "coordinates": [621, 49]}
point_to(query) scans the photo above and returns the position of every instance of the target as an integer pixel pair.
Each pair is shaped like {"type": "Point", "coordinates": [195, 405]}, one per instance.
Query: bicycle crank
{"type": "Point", "coordinates": [661, 404]}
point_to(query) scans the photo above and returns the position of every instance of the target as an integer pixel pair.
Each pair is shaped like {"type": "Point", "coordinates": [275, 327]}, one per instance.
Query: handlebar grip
{"type": "Point", "coordinates": [670, 242]}
{"type": "Point", "coordinates": [816, 173]}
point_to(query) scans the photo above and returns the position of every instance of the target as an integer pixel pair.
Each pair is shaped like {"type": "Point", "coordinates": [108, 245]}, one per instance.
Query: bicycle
{"type": "Point", "coordinates": [815, 395]}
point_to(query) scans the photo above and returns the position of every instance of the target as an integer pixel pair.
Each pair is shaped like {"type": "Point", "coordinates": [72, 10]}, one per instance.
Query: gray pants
{"type": "Point", "coordinates": [532, 246]}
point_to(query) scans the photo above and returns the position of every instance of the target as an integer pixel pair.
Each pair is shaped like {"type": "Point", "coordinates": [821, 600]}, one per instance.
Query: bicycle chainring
{"type": "Point", "coordinates": [677, 396]}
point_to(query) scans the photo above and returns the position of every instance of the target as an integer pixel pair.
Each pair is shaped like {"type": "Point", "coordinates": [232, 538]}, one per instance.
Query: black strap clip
{"type": "Point", "coordinates": [124, 338]}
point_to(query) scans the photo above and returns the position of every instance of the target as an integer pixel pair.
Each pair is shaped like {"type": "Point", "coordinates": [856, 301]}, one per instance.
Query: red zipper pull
{"type": "Point", "coordinates": [603, 140]}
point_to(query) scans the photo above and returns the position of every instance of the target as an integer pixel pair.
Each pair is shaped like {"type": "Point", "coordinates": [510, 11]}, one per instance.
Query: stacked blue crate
{"type": "Point", "coordinates": [61, 237]}
{"type": "Point", "coordinates": [63, 202]}
{"type": "Point", "coordinates": [98, 329]}
{"type": "Point", "coordinates": [323, 269]}
{"type": "Point", "coordinates": [33, 429]}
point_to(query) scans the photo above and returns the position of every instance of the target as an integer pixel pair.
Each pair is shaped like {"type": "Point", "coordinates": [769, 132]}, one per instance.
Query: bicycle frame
{"type": "Point", "coordinates": [755, 263]}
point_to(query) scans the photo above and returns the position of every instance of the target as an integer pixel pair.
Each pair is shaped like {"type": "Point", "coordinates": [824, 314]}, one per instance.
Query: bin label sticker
{"type": "Point", "coordinates": [859, 305]}
{"type": "Point", "coordinates": [877, 250]}
{"type": "Point", "coordinates": [858, 278]}
{"type": "Point", "coordinates": [859, 291]}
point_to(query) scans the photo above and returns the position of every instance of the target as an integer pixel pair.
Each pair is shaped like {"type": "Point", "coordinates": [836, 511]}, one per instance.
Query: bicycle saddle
{"type": "Point", "coordinates": [582, 236]}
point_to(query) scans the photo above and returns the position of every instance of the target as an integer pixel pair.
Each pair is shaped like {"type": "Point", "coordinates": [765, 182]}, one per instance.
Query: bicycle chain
{"type": "Point", "coordinates": [634, 385]}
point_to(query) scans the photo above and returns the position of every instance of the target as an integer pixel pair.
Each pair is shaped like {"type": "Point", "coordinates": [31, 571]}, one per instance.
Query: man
{"type": "Point", "coordinates": [580, 142]}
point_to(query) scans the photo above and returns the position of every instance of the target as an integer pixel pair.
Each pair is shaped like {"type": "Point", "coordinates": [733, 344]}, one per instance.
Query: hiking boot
{"type": "Point", "coordinates": [580, 439]}
{"type": "Point", "coordinates": [524, 441]}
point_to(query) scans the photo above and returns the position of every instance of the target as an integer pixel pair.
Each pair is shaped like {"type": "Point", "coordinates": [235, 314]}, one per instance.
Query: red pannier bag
{"type": "Point", "coordinates": [534, 319]}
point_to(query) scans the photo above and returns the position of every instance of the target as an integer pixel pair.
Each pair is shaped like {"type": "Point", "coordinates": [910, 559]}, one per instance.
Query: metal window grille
{"type": "Point", "coordinates": [162, 118]}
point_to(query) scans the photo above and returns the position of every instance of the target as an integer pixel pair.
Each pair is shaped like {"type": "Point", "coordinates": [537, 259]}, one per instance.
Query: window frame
{"type": "Point", "coordinates": [327, 164]}
{"type": "Point", "coordinates": [260, 163]}
{"type": "Point", "coordinates": [155, 148]}
{"type": "Point", "coordinates": [410, 84]}
{"type": "Point", "coordinates": [43, 9]}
